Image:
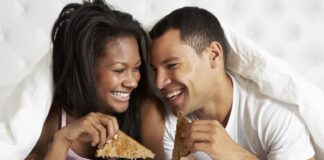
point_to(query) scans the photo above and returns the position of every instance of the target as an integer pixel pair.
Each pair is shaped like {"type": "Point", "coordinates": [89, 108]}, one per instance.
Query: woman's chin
{"type": "Point", "coordinates": [120, 109]}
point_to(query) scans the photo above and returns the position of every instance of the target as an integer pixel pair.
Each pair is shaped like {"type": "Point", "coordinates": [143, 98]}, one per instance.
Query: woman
{"type": "Point", "coordinates": [100, 82]}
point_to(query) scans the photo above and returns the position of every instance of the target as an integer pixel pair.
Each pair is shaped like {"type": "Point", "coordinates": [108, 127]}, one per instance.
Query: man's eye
{"type": "Point", "coordinates": [173, 65]}
{"type": "Point", "coordinates": [139, 67]}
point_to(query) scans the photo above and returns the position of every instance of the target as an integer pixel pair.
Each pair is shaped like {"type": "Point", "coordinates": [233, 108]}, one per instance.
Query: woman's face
{"type": "Point", "coordinates": [117, 73]}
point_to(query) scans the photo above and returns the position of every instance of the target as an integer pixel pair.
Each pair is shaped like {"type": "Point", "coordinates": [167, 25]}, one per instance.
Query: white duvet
{"type": "Point", "coordinates": [23, 114]}
{"type": "Point", "coordinates": [277, 79]}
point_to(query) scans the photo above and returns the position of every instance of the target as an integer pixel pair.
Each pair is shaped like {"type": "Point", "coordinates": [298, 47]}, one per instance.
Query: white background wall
{"type": "Point", "coordinates": [290, 29]}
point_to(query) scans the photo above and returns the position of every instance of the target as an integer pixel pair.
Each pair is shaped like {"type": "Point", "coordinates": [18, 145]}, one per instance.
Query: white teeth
{"type": "Point", "coordinates": [121, 94]}
{"type": "Point", "coordinates": [173, 93]}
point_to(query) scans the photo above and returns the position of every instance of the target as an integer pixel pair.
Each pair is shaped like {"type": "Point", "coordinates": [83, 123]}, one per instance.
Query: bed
{"type": "Point", "coordinates": [288, 33]}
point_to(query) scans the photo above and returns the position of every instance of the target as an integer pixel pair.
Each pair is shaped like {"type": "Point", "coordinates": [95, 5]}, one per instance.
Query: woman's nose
{"type": "Point", "coordinates": [132, 80]}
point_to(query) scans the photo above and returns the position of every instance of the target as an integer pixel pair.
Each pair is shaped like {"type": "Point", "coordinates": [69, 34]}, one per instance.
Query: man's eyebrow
{"type": "Point", "coordinates": [170, 60]}
{"type": "Point", "coordinates": [166, 61]}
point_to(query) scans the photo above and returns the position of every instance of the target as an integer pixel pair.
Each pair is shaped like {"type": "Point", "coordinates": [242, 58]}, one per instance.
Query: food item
{"type": "Point", "coordinates": [179, 150]}
{"type": "Point", "coordinates": [124, 147]}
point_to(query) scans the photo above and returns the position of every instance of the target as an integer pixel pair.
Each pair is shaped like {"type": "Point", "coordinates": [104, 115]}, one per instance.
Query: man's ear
{"type": "Point", "coordinates": [215, 53]}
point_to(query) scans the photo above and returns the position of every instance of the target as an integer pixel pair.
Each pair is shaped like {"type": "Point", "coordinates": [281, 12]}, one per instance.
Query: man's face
{"type": "Point", "coordinates": [180, 73]}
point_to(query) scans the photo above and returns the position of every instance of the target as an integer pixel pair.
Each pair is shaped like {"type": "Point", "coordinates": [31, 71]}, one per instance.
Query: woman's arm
{"type": "Point", "coordinates": [36, 154]}
{"type": "Point", "coordinates": [152, 126]}
{"type": "Point", "coordinates": [49, 128]}
{"type": "Point", "coordinates": [59, 147]}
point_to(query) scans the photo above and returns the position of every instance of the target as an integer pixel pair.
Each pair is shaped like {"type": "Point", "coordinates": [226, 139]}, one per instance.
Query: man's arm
{"type": "Point", "coordinates": [285, 134]}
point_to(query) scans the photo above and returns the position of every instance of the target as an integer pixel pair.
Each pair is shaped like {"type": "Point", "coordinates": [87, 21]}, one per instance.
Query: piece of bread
{"type": "Point", "coordinates": [124, 147]}
{"type": "Point", "coordinates": [179, 150]}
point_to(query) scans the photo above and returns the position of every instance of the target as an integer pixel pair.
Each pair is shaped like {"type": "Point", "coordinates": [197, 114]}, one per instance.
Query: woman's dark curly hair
{"type": "Point", "coordinates": [79, 36]}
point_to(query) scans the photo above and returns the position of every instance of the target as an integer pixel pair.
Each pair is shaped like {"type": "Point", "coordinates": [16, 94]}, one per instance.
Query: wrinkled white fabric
{"type": "Point", "coordinates": [25, 110]}
{"type": "Point", "coordinates": [275, 78]}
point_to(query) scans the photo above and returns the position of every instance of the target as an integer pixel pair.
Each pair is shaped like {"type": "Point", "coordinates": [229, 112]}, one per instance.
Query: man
{"type": "Point", "coordinates": [230, 118]}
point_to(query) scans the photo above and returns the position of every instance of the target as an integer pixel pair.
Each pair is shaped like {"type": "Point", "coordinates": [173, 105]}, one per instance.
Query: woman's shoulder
{"type": "Point", "coordinates": [50, 126]}
{"type": "Point", "coordinates": [152, 124]}
{"type": "Point", "coordinates": [152, 107]}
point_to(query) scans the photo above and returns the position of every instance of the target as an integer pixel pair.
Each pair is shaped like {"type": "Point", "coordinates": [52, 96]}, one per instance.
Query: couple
{"type": "Point", "coordinates": [100, 59]}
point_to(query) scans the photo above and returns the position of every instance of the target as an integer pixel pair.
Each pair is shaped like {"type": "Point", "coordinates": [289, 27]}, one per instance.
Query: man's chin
{"type": "Point", "coordinates": [177, 109]}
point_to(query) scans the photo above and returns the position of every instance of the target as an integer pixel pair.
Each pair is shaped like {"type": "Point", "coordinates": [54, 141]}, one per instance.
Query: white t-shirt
{"type": "Point", "coordinates": [266, 127]}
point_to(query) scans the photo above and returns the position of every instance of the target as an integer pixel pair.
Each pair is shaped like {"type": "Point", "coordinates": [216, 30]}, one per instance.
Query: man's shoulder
{"type": "Point", "coordinates": [259, 108]}
{"type": "Point", "coordinates": [250, 94]}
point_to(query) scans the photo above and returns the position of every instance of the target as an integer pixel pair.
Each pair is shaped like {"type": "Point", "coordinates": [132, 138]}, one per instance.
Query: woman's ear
{"type": "Point", "coordinates": [215, 53]}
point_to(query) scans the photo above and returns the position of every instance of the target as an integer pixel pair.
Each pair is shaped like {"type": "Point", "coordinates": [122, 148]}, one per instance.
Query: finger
{"type": "Point", "coordinates": [110, 126]}
{"type": "Point", "coordinates": [203, 147]}
{"type": "Point", "coordinates": [206, 122]}
{"type": "Point", "coordinates": [112, 129]}
{"type": "Point", "coordinates": [208, 126]}
{"type": "Point", "coordinates": [197, 137]}
{"type": "Point", "coordinates": [201, 128]}
{"type": "Point", "coordinates": [115, 122]}
{"type": "Point", "coordinates": [184, 158]}
{"type": "Point", "coordinates": [89, 129]}
{"type": "Point", "coordinates": [102, 132]}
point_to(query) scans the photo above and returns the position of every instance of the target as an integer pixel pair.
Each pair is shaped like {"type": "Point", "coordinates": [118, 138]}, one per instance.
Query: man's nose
{"type": "Point", "coordinates": [161, 79]}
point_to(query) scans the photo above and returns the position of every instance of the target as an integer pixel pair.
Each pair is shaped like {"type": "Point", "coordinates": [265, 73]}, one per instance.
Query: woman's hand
{"type": "Point", "coordinates": [96, 128]}
{"type": "Point", "coordinates": [209, 136]}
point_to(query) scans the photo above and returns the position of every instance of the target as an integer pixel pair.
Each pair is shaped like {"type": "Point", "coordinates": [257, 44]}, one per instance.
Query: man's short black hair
{"type": "Point", "coordinates": [198, 28]}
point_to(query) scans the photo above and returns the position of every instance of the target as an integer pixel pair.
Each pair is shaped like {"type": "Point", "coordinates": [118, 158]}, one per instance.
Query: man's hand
{"type": "Point", "coordinates": [209, 136]}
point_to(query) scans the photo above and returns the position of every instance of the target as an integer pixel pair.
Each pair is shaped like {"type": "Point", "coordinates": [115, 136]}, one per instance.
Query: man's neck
{"type": "Point", "coordinates": [220, 104]}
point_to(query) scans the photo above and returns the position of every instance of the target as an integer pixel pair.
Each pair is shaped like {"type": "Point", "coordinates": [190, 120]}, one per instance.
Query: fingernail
{"type": "Point", "coordinates": [182, 135]}
{"type": "Point", "coordinates": [100, 146]}
{"type": "Point", "coordinates": [109, 141]}
{"type": "Point", "coordinates": [116, 136]}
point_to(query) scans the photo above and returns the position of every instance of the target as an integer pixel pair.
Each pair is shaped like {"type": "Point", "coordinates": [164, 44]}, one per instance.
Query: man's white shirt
{"type": "Point", "coordinates": [266, 127]}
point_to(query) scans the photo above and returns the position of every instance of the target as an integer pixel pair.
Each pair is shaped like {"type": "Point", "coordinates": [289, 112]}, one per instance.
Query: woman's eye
{"type": "Point", "coordinates": [119, 70]}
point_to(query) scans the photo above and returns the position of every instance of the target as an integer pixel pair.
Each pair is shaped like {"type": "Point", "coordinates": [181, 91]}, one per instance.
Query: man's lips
{"type": "Point", "coordinates": [172, 94]}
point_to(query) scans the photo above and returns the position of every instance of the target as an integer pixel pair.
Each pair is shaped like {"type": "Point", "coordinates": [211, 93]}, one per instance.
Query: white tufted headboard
{"type": "Point", "coordinates": [291, 29]}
